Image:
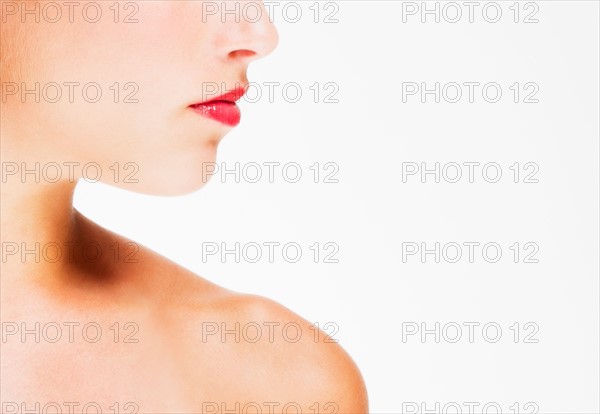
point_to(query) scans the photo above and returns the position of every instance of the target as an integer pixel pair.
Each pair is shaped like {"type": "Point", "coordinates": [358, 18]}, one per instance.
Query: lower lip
{"type": "Point", "coordinates": [227, 113]}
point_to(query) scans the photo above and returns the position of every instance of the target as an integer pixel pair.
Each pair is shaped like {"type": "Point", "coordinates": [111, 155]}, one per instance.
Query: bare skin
{"type": "Point", "coordinates": [161, 349]}
{"type": "Point", "coordinates": [177, 364]}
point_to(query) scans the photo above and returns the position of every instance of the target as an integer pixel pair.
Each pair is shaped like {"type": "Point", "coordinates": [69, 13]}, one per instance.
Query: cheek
{"type": "Point", "coordinates": [123, 89]}
{"type": "Point", "coordinates": [86, 79]}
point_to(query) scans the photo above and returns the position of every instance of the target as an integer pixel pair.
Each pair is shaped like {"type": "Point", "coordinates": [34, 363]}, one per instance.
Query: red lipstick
{"type": "Point", "coordinates": [223, 108]}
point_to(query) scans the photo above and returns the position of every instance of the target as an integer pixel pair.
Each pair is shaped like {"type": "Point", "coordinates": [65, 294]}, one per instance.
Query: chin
{"type": "Point", "coordinates": [182, 175]}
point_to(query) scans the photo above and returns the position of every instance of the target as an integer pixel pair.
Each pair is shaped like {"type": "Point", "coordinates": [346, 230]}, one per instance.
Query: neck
{"type": "Point", "coordinates": [37, 218]}
{"type": "Point", "coordinates": [45, 242]}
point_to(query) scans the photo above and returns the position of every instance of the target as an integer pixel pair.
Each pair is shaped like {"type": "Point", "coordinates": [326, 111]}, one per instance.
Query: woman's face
{"type": "Point", "coordinates": [111, 83]}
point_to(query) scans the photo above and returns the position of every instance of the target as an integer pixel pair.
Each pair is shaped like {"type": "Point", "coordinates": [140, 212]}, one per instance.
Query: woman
{"type": "Point", "coordinates": [137, 95]}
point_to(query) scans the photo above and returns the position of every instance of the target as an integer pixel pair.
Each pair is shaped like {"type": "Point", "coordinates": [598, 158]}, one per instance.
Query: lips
{"type": "Point", "coordinates": [223, 108]}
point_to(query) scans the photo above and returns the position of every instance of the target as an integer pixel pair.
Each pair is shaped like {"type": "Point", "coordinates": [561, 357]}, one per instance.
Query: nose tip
{"type": "Point", "coordinates": [255, 38]}
{"type": "Point", "coordinates": [271, 38]}
{"type": "Point", "coordinates": [258, 48]}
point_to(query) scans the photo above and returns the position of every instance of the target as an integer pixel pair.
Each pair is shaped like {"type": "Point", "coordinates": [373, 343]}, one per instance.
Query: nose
{"type": "Point", "coordinates": [249, 31]}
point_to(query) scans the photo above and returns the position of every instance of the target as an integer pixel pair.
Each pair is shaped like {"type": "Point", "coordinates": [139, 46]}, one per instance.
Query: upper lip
{"type": "Point", "coordinates": [231, 96]}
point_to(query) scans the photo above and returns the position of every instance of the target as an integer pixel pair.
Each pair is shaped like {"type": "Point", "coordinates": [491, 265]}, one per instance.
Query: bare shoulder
{"type": "Point", "coordinates": [247, 349]}
{"type": "Point", "coordinates": [273, 355]}
{"type": "Point", "coordinates": [325, 375]}
{"type": "Point", "coordinates": [235, 348]}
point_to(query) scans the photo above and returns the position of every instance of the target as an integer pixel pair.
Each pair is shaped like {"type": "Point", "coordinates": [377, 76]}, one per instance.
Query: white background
{"type": "Point", "coordinates": [371, 294]}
